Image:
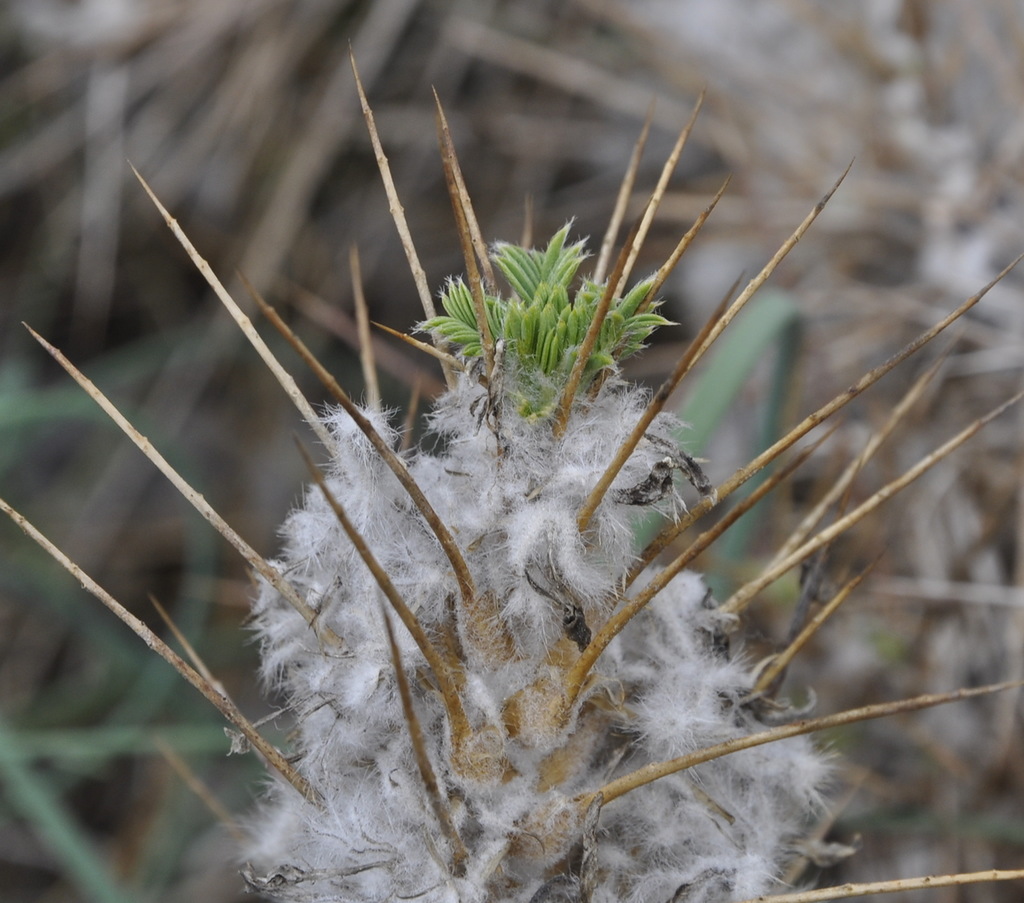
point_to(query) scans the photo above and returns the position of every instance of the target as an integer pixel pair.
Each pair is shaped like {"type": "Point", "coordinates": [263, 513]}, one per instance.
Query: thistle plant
{"type": "Point", "coordinates": [497, 693]}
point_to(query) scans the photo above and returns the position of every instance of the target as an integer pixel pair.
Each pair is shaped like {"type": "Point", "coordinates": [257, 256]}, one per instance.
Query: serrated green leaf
{"type": "Point", "coordinates": [628, 305]}
{"type": "Point", "coordinates": [566, 267]}
{"type": "Point", "coordinates": [459, 302]}
{"type": "Point", "coordinates": [543, 325]}
{"type": "Point", "coordinates": [599, 361]}
{"type": "Point", "coordinates": [587, 295]}
{"type": "Point", "coordinates": [546, 321]}
{"type": "Point", "coordinates": [496, 313]}
{"type": "Point", "coordinates": [459, 332]}
{"type": "Point", "coordinates": [557, 346]}
{"type": "Point", "coordinates": [649, 321]}
{"type": "Point", "coordinates": [434, 323]}
{"type": "Point", "coordinates": [559, 297]}
{"type": "Point", "coordinates": [549, 262]}
{"type": "Point", "coordinates": [575, 329]}
{"type": "Point", "coordinates": [512, 329]}
{"type": "Point", "coordinates": [531, 319]}
{"type": "Point", "coordinates": [611, 329]}
{"type": "Point", "coordinates": [519, 269]}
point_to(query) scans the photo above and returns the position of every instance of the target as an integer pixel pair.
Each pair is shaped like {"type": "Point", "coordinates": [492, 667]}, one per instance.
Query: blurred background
{"type": "Point", "coordinates": [243, 116]}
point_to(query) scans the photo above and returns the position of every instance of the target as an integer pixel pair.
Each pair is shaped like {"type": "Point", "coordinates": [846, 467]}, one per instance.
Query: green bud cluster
{"type": "Point", "coordinates": [541, 328]}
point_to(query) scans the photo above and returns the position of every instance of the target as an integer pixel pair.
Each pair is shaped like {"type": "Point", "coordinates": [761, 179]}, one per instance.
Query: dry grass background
{"type": "Point", "coordinates": [243, 117]}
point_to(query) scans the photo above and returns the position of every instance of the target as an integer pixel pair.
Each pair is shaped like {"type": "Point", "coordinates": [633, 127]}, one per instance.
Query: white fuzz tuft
{"type": "Point", "coordinates": [512, 779]}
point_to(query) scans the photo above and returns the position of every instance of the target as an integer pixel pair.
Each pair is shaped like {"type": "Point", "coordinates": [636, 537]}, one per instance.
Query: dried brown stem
{"type": "Point", "coordinates": [223, 704]}
{"type": "Point", "coordinates": [656, 770]}
{"type": "Point", "coordinates": [449, 156]}
{"type": "Point", "coordinates": [200, 788]}
{"type": "Point", "coordinates": [770, 267]}
{"type": "Point", "coordinates": [397, 211]}
{"type": "Point", "coordinates": [526, 237]}
{"type": "Point", "coordinates": [447, 674]}
{"type": "Point", "coordinates": [620, 275]}
{"type": "Point", "coordinates": [840, 485]}
{"type": "Point", "coordinates": [780, 662]}
{"type": "Point", "coordinates": [411, 412]}
{"type": "Point", "coordinates": [654, 407]}
{"type": "Point", "coordinates": [190, 651]}
{"type": "Point", "coordinates": [577, 676]}
{"type": "Point", "coordinates": [590, 339]}
{"type": "Point", "coordinates": [640, 234]}
{"type": "Point", "coordinates": [259, 564]}
{"type": "Point", "coordinates": [671, 531]}
{"type": "Point", "coordinates": [622, 200]}
{"type": "Point", "coordinates": [469, 235]}
{"type": "Point", "coordinates": [742, 597]}
{"type": "Point", "coordinates": [443, 356]}
{"type": "Point", "coordinates": [419, 747]}
{"type": "Point", "coordinates": [665, 270]}
{"type": "Point", "coordinates": [244, 323]}
{"type": "Point", "coordinates": [388, 359]}
{"type": "Point", "coordinates": [396, 464]}
{"type": "Point", "coordinates": [897, 885]}
{"type": "Point", "coordinates": [366, 358]}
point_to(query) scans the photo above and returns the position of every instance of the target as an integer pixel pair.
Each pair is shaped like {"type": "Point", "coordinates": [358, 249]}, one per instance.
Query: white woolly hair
{"type": "Point", "coordinates": [509, 495]}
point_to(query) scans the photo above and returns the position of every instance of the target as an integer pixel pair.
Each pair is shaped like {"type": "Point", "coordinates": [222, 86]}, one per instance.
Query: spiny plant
{"type": "Point", "coordinates": [559, 715]}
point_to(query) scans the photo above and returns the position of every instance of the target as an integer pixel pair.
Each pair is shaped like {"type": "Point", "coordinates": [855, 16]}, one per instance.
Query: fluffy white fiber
{"type": "Point", "coordinates": [509, 492]}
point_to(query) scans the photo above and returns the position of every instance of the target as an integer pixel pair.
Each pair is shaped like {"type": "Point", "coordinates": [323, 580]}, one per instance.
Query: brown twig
{"type": "Point", "coordinates": [665, 270]}
{"type": "Point", "coordinates": [244, 323]}
{"type": "Point", "coordinates": [770, 267]}
{"type": "Point", "coordinates": [620, 274]}
{"type": "Point", "coordinates": [397, 211]}
{"type": "Point", "coordinates": [193, 656]}
{"type": "Point", "coordinates": [781, 661]}
{"type": "Point", "coordinates": [394, 463]}
{"type": "Point", "coordinates": [572, 384]}
{"type": "Point", "coordinates": [622, 200]}
{"type": "Point", "coordinates": [667, 535]}
{"type": "Point", "coordinates": [223, 704]}
{"type": "Point", "coordinates": [656, 770]}
{"type": "Point", "coordinates": [366, 358]}
{"type": "Point", "coordinates": [897, 885]}
{"type": "Point", "coordinates": [388, 359]}
{"type": "Point", "coordinates": [443, 356]}
{"type": "Point", "coordinates": [259, 564]}
{"type": "Point", "coordinates": [526, 236]}
{"type": "Point", "coordinates": [470, 238]}
{"type": "Point", "coordinates": [411, 411]}
{"type": "Point", "coordinates": [448, 674]}
{"type": "Point", "coordinates": [742, 597]}
{"type": "Point", "coordinates": [419, 747]}
{"type": "Point", "coordinates": [844, 480]}
{"type": "Point", "coordinates": [577, 676]}
{"type": "Point", "coordinates": [640, 234]}
{"type": "Point", "coordinates": [654, 407]}
{"type": "Point", "coordinates": [449, 156]}
{"type": "Point", "coordinates": [200, 788]}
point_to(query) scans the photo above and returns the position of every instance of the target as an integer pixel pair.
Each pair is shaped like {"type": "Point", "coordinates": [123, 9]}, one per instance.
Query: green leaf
{"type": "Point", "coordinates": [512, 329]}
{"type": "Point", "coordinates": [519, 269]}
{"type": "Point", "coordinates": [541, 327]}
{"type": "Point", "coordinates": [549, 262]}
{"type": "Point", "coordinates": [496, 313]}
{"type": "Point", "coordinates": [627, 307]}
{"type": "Point", "coordinates": [459, 302]}
{"type": "Point", "coordinates": [531, 327]}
